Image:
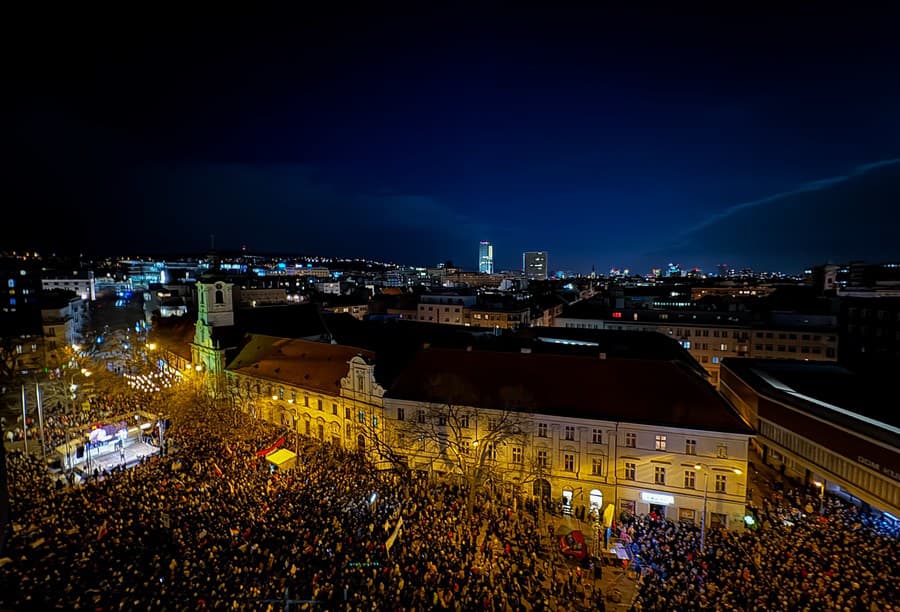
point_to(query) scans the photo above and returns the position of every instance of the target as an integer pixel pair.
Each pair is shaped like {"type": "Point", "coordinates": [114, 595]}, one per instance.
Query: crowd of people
{"type": "Point", "coordinates": [214, 527]}
{"type": "Point", "coordinates": [802, 557]}
{"type": "Point", "coordinates": [58, 418]}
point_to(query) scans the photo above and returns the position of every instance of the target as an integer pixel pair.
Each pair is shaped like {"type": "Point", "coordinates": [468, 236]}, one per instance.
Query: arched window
{"type": "Point", "coordinates": [220, 297]}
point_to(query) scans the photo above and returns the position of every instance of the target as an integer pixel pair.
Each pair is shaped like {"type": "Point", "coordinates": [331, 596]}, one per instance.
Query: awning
{"type": "Point", "coordinates": [282, 458]}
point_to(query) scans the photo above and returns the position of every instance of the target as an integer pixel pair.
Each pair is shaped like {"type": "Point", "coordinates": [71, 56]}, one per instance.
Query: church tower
{"type": "Point", "coordinates": [215, 309]}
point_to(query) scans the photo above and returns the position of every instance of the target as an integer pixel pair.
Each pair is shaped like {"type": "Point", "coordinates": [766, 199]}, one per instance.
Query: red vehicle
{"type": "Point", "coordinates": [573, 545]}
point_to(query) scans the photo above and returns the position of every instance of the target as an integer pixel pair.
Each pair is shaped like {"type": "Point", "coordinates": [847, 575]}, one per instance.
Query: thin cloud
{"type": "Point", "coordinates": [817, 185]}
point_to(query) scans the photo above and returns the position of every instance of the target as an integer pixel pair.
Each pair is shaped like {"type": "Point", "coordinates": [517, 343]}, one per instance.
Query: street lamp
{"type": "Point", "coordinates": [706, 469]}
{"type": "Point", "coordinates": [821, 487]}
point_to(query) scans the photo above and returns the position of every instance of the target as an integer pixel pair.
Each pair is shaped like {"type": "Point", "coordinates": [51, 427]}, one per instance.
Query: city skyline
{"type": "Point", "coordinates": [610, 139]}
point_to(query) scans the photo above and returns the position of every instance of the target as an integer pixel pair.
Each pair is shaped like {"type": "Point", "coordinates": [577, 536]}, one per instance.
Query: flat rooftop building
{"type": "Point", "coordinates": [822, 423]}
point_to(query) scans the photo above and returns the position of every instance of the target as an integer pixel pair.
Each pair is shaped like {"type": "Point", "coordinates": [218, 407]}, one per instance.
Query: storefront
{"type": "Point", "coordinates": [657, 503]}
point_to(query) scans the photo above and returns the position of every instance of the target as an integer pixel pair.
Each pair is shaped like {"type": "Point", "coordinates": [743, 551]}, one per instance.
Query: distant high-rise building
{"type": "Point", "coordinates": [534, 264]}
{"type": "Point", "coordinates": [485, 257]}
{"type": "Point", "coordinates": [656, 272]}
{"type": "Point", "coordinates": [673, 270]}
{"type": "Point", "coordinates": [723, 270]}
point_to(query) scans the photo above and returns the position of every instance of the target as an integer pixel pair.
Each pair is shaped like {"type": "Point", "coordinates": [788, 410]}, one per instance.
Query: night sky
{"type": "Point", "coordinates": [607, 138]}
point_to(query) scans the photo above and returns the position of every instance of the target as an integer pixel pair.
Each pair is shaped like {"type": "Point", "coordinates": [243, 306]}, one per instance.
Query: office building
{"type": "Point", "coordinates": [485, 257]}
{"type": "Point", "coordinates": [534, 264]}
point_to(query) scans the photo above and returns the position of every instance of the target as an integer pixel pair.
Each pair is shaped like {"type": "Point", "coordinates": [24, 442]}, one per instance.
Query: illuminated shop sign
{"type": "Point", "coordinates": [657, 498]}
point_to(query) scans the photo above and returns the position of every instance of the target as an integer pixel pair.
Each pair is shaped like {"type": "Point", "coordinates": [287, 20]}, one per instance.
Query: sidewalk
{"type": "Point", "coordinates": [763, 480]}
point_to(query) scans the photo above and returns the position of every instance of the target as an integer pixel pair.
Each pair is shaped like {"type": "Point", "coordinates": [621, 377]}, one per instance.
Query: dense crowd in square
{"type": "Point", "coordinates": [212, 526]}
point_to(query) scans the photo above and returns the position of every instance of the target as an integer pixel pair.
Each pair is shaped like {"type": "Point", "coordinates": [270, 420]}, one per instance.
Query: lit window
{"type": "Point", "coordinates": [631, 440]}
{"type": "Point", "coordinates": [722, 451]}
{"type": "Point", "coordinates": [362, 416]}
{"type": "Point", "coordinates": [660, 443]}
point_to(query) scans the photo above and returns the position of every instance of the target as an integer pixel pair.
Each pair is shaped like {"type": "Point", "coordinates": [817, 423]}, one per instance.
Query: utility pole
{"type": "Point", "coordinates": [25, 419]}
{"type": "Point", "coordinates": [40, 407]}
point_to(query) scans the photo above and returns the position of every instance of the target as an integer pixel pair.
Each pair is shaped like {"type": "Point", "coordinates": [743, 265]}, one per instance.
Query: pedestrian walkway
{"type": "Point", "coordinates": [763, 481]}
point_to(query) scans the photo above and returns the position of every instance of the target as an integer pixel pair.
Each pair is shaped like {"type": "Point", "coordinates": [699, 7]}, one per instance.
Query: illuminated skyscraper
{"type": "Point", "coordinates": [534, 264]}
{"type": "Point", "coordinates": [485, 257]}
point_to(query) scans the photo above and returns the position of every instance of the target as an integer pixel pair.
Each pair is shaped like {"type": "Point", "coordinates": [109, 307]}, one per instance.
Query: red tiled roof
{"type": "Point", "coordinates": [311, 365]}
{"type": "Point", "coordinates": [626, 390]}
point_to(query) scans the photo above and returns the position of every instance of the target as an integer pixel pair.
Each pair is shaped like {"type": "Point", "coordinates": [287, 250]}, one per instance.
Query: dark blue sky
{"type": "Point", "coordinates": [607, 138]}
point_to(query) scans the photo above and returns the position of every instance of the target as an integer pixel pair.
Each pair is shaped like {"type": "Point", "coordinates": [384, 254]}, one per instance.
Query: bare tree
{"type": "Point", "coordinates": [384, 445]}
{"type": "Point", "coordinates": [453, 429]}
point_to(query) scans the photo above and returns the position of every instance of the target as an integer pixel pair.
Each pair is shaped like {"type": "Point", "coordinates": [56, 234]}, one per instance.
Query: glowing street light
{"type": "Point", "coordinates": [706, 469]}
{"type": "Point", "coordinates": [821, 486]}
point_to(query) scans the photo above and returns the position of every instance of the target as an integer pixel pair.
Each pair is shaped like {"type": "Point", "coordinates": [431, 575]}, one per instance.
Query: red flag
{"type": "Point", "coordinates": [266, 451]}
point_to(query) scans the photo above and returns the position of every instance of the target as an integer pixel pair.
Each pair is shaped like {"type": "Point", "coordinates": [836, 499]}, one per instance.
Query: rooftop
{"type": "Point", "coordinates": [632, 390]}
{"type": "Point", "coordinates": [312, 365]}
{"type": "Point", "coordinates": [857, 401]}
